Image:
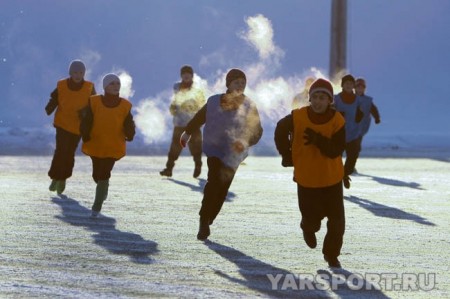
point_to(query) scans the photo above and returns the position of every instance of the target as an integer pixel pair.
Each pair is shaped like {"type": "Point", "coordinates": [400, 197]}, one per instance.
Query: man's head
{"type": "Point", "coordinates": [186, 73]}
{"type": "Point", "coordinates": [320, 95]}
{"type": "Point", "coordinates": [348, 83]}
{"type": "Point", "coordinates": [360, 86]}
{"type": "Point", "coordinates": [77, 69]}
{"type": "Point", "coordinates": [236, 81]}
{"type": "Point", "coordinates": [111, 84]}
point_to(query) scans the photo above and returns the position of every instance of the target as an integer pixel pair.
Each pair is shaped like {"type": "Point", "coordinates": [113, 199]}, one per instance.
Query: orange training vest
{"type": "Point", "coordinates": [311, 168]}
{"type": "Point", "coordinates": [107, 135]}
{"type": "Point", "coordinates": [69, 103]}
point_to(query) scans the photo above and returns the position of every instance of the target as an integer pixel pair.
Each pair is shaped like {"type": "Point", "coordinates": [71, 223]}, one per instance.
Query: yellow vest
{"type": "Point", "coordinates": [311, 168]}
{"type": "Point", "coordinates": [107, 135]}
{"type": "Point", "coordinates": [69, 103]}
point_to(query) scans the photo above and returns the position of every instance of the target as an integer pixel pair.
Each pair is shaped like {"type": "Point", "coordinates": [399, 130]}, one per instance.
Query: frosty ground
{"type": "Point", "coordinates": [144, 245]}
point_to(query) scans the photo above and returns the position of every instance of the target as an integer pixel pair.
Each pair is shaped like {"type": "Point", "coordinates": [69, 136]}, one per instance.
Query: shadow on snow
{"type": "Point", "coordinates": [282, 283]}
{"type": "Point", "coordinates": [381, 210]}
{"type": "Point", "coordinates": [392, 182]}
{"type": "Point", "coordinates": [106, 235]}
{"type": "Point", "coordinates": [200, 187]}
{"type": "Point", "coordinates": [345, 284]}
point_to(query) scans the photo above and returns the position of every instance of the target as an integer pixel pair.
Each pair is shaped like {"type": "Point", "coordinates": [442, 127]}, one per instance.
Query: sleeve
{"type": "Point", "coordinates": [129, 127]}
{"type": "Point", "coordinates": [87, 120]}
{"type": "Point", "coordinates": [201, 101]}
{"type": "Point", "coordinates": [359, 115]}
{"type": "Point", "coordinates": [334, 146]}
{"type": "Point", "coordinates": [197, 121]}
{"type": "Point", "coordinates": [283, 139]}
{"type": "Point", "coordinates": [283, 135]}
{"type": "Point", "coordinates": [374, 112]}
{"type": "Point", "coordinates": [255, 129]}
{"type": "Point", "coordinates": [173, 108]}
{"type": "Point", "coordinates": [52, 103]}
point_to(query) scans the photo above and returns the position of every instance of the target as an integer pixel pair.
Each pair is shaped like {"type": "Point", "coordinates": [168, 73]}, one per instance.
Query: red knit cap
{"type": "Point", "coordinates": [322, 85]}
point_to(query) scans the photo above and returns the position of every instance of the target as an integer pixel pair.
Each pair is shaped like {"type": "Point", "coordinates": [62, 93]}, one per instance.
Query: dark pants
{"type": "Point", "coordinates": [64, 155]}
{"type": "Point", "coordinates": [101, 168]}
{"type": "Point", "coordinates": [216, 188]}
{"type": "Point", "coordinates": [318, 203]}
{"type": "Point", "coordinates": [194, 144]}
{"type": "Point", "coordinates": [352, 150]}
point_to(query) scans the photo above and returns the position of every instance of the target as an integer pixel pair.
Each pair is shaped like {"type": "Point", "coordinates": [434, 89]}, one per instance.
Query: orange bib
{"type": "Point", "coordinates": [69, 103]}
{"type": "Point", "coordinates": [311, 168]}
{"type": "Point", "coordinates": [107, 135]}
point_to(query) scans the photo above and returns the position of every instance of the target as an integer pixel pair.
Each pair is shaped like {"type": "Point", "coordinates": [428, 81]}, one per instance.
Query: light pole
{"type": "Point", "coordinates": [338, 43]}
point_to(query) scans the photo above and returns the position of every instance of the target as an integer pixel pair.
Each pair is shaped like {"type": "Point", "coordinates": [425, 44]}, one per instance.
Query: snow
{"type": "Point", "coordinates": [41, 141]}
{"type": "Point", "coordinates": [144, 244]}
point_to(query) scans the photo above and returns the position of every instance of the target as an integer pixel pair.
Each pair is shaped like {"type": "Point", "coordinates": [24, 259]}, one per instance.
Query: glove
{"type": "Point", "coordinates": [238, 146]}
{"type": "Point", "coordinates": [310, 136]}
{"type": "Point", "coordinates": [286, 161]}
{"type": "Point", "coordinates": [184, 139]}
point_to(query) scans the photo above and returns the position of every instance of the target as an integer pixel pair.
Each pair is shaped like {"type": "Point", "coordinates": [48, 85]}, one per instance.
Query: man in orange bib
{"type": "Point", "coordinates": [106, 126]}
{"type": "Point", "coordinates": [312, 139]}
{"type": "Point", "coordinates": [69, 97]}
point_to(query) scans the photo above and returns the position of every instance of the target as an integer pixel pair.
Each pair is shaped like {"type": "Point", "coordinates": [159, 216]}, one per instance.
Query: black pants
{"type": "Point", "coordinates": [101, 168]}
{"type": "Point", "coordinates": [194, 144]}
{"type": "Point", "coordinates": [352, 150]}
{"type": "Point", "coordinates": [318, 203]}
{"type": "Point", "coordinates": [64, 155]}
{"type": "Point", "coordinates": [219, 181]}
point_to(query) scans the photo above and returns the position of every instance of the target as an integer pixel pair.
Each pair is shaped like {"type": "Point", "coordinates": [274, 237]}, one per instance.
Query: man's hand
{"type": "Point", "coordinates": [238, 147]}
{"type": "Point", "coordinates": [310, 136]}
{"type": "Point", "coordinates": [286, 161]}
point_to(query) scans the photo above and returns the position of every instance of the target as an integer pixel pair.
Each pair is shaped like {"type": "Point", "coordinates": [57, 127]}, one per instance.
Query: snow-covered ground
{"type": "Point", "coordinates": [144, 245]}
{"type": "Point", "coordinates": [41, 141]}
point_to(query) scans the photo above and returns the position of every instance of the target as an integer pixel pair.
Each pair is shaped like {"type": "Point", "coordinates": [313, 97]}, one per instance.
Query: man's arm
{"type": "Point", "coordinates": [283, 139]}
{"type": "Point", "coordinates": [374, 112]}
{"type": "Point", "coordinates": [197, 121]}
{"type": "Point", "coordinates": [52, 103]}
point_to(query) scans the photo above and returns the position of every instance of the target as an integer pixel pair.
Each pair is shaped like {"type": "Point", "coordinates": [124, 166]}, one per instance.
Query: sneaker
{"type": "Point", "coordinates": [204, 231]}
{"type": "Point", "coordinates": [310, 239]}
{"type": "Point", "coordinates": [60, 186]}
{"type": "Point", "coordinates": [94, 214]}
{"type": "Point", "coordinates": [166, 172]}
{"type": "Point", "coordinates": [52, 186]}
{"type": "Point", "coordinates": [333, 262]}
{"type": "Point", "coordinates": [346, 181]}
{"type": "Point", "coordinates": [197, 171]}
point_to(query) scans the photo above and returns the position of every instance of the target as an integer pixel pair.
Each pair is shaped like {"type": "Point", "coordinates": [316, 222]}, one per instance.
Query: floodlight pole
{"type": "Point", "coordinates": [338, 43]}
